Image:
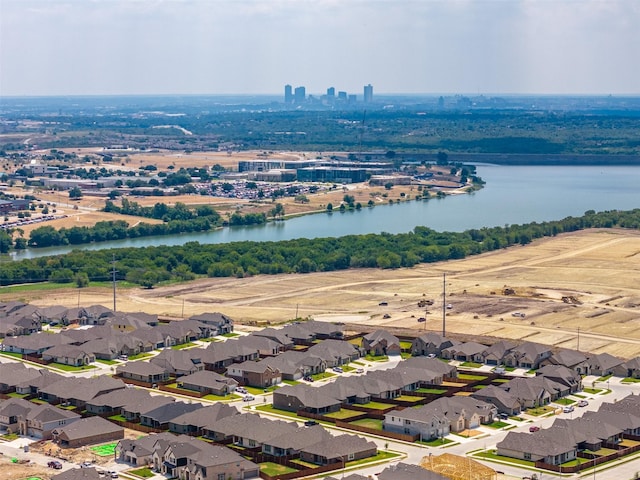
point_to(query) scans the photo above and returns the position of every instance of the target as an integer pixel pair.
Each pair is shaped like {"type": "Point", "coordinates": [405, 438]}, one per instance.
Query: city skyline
{"type": "Point", "coordinates": [120, 47]}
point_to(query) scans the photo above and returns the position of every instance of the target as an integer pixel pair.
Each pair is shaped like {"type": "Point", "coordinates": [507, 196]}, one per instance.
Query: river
{"type": "Point", "coordinates": [511, 195]}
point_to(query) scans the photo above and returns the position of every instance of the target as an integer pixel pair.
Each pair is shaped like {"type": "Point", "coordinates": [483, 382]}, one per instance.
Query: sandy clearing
{"type": "Point", "coordinates": [597, 268]}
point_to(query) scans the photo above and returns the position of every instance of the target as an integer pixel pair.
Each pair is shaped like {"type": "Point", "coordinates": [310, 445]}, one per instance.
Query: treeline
{"type": "Point", "coordinates": [161, 211]}
{"type": "Point", "coordinates": [147, 266]}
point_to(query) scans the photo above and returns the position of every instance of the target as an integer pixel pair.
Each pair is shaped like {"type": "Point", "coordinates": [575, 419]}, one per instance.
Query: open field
{"type": "Point", "coordinates": [598, 271]}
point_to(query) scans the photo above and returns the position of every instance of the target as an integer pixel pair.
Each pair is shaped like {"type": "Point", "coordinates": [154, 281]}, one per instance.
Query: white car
{"type": "Point", "coordinates": [248, 398]}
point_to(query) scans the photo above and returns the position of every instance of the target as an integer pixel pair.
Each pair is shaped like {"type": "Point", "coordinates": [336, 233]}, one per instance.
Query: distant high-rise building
{"type": "Point", "coordinates": [288, 94]}
{"type": "Point", "coordinates": [300, 94]}
{"type": "Point", "coordinates": [353, 98]}
{"type": "Point", "coordinates": [368, 93]}
{"type": "Point", "coordinates": [342, 96]}
{"type": "Point", "coordinates": [331, 92]}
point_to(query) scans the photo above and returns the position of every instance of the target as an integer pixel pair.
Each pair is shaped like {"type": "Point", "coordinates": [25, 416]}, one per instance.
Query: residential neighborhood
{"type": "Point", "coordinates": [194, 399]}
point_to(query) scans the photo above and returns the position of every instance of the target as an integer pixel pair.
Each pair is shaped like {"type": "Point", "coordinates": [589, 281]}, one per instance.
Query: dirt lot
{"type": "Point", "coordinates": [13, 471]}
{"type": "Point", "coordinates": [598, 273]}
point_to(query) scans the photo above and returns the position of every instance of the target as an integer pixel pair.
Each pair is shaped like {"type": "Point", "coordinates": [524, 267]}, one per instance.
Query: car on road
{"type": "Point", "coordinates": [241, 390]}
{"type": "Point", "coordinates": [534, 428]}
{"type": "Point", "coordinates": [308, 378]}
{"type": "Point", "coordinates": [360, 370]}
{"type": "Point", "coordinates": [248, 398]}
{"type": "Point", "coordinates": [310, 423]}
{"type": "Point", "coordinates": [583, 403]}
{"type": "Point", "coordinates": [337, 369]}
{"type": "Point", "coordinates": [568, 409]}
{"type": "Point", "coordinates": [55, 465]}
{"type": "Point", "coordinates": [503, 416]}
{"type": "Point", "coordinates": [86, 465]}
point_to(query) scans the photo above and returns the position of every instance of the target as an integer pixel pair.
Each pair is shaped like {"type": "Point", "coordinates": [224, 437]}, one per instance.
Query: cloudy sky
{"type": "Point", "coordinates": [81, 47]}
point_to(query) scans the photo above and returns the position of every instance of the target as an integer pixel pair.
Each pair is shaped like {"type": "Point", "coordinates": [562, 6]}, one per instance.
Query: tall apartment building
{"type": "Point", "coordinates": [299, 95]}
{"type": "Point", "coordinates": [288, 94]}
{"type": "Point", "coordinates": [368, 93]}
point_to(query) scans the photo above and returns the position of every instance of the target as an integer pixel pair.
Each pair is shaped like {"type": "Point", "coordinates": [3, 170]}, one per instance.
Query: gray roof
{"type": "Point", "coordinates": [539, 443]}
{"type": "Point", "coordinates": [207, 378]}
{"type": "Point", "coordinates": [87, 427]}
{"type": "Point", "coordinates": [169, 411]}
{"type": "Point", "coordinates": [340, 446]}
{"type": "Point", "coordinates": [406, 471]}
{"type": "Point", "coordinates": [83, 389]}
{"type": "Point", "coordinates": [206, 416]}
{"type": "Point", "coordinates": [15, 373]}
{"type": "Point", "coordinates": [78, 474]}
{"type": "Point", "coordinates": [140, 368]}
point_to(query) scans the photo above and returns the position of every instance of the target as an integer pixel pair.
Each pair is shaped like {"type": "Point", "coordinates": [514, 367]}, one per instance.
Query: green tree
{"type": "Point", "coordinates": [81, 279]}
{"type": "Point", "coordinates": [75, 193]}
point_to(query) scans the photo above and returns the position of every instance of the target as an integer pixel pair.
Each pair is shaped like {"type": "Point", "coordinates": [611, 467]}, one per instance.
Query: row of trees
{"type": "Point", "coordinates": [147, 266]}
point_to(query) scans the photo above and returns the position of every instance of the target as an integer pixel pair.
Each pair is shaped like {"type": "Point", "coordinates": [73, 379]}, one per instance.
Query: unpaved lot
{"type": "Point", "coordinates": [597, 272]}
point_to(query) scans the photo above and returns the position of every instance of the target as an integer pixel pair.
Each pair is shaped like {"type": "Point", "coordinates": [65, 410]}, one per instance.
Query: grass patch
{"type": "Point", "coordinates": [304, 464]}
{"type": "Point", "coordinates": [539, 411]}
{"type": "Point", "coordinates": [118, 418]}
{"type": "Point", "coordinates": [405, 355]}
{"type": "Point", "coordinates": [436, 442]}
{"type": "Point", "coordinates": [471, 364]}
{"type": "Point", "coordinates": [468, 376]}
{"type": "Point", "coordinates": [381, 456]}
{"type": "Point", "coordinates": [358, 363]}
{"type": "Point", "coordinates": [183, 346]}
{"type": "Point", "coordinates": [578, 396]}
{"type": "Point", "coordinates": [491, 455]}
{"type": "Point", "coordinates": [592, 391]}
{"type": "Point", "coordinates": [376, 358]}
{"type": "Point", "coordinates": [290, 382]}
{"type": "Point", "coordinates": [630, 380]}
{"type": "Point", "coordinates": [408, 398]}
{"type": "Point", "coordinates": [404, 345]}
{"type": "Point", "coordinates": [347, 368]}
{"type": "Point", "coordinates": [355, 341]}
{"type": "Point", "coordinates": [376, 405]}
{"type": "Point", "coordinates": [271, 409]}
{"type": "Point", "coordinates": [565, 401]}
{"type": "Point", "coordinates": [497, 425]}
{"type": "Point", "coordinates": [604, 378]}
{"type": "Point", "coordinates": [9, 436]}
{"type": "Point", "coordinates": [70, 368]}
{"type": "Point", "coordinates": [517, 419]}
{"type": "Point", "coordinates": [369, 423]}
{"type": "Point", "coordinates": [221, 398]}
{"type": "Point", "coordinates": [435, 391]}
{"type": "Point", "coordinates": [230, 335]}
{"type": "Point", "coordinates": [322, 375]}
{"type": "Point", "coordinates": [500, 380]}
{"type": "Point", "coordinates": [11, 354]}
{"type": "Point", "coordinates": [106, 450]}
{"type": "Point", "coordinates": [343, 414]}
{"type": "Point", "coordinates": [142, 472]}
{"type": "Point", "coordinates": [479, 387]}
{"type": "Point", "coordinates": [260, 391]}
{"type": "Point", "coordinates": [107, 362]}
{"type": "Point", "coordinates": [140, 355]}
{"type": "Point", "coordinates": [17, 395]}
{"type": "Point", "coordinates": [273, 469]}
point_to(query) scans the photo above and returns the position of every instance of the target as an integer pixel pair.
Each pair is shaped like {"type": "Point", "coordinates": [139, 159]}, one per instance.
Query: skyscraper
{"type": "Point", "coordinates": [331, 92]}
{"type": "Point", "coordinates": [368, 93]}
{"type": "Point", "coordinates": [300, 94]}
{"type": "Point", "coordinates": [288, 94]}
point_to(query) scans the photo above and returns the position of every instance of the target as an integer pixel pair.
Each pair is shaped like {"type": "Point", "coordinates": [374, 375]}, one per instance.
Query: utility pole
{"type": "Point", "coordinates": [578, 347]}
{"type": "Point", "coordinates": [444, 303]}
{"type": "Point", "coordinates": [113, 271]}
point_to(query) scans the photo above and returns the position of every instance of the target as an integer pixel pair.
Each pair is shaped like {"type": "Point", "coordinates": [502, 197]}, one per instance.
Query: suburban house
{"type": "Point", "coordinates": [193, 423]}
{"type": "Point", "coordinates": [562, 375]}
{"type": "Point", "coordinates": [500, 398]}
{"type": "Point", "coordinates": [222, 323]}
{"type": "Point", "coordinates": [205, 383]}
{"type": "Point", "coordinates": [335, 352]}
{"type": "Point", "coordinates": [576, 361]}
{"type": "Point", "coordinates": [290, 443]}
{"type": "Point", "coordinates": [219, 355]}
{"type": "Point", "coordinates": [111, 403]}
{"type": "Point", "coordinates": [41, 420]}
{"type": "Point", "coordinates": [430, 343]}
{"type": "Point", "coordinates": [529, 355]}
{"type": "Point", "coordinates": [339, 449]}
{"type": "Point", "coordinates": [255, 374]}
{"type": "Point", "coordinates": [68, 355]}
{"type": "Point", "coordinates": [278, 335]}
{"type": "Point", "coordinates": [77, 391]}
{"type": "Point", "coordinates": [465, 352]}
{"type": "Point", "coordinates": [603, 364]}
{"type": "Point", "coordinates": [160, 417]}
{"type": "Point", "coordinates": [293, 398]}
{"type": "Point", "coordinates": [139, 452]}
{"type": "Point", "coordinates": [543, 446]}
{"type": "Point", "coordinates": [132, 411]}
{"type": "Point", "coordinates": [406, 471]}
{"type": "Point", "coordinates": [79, 474]}
{"type": "Point", "coordinates": [87, 431]}
{"type": "Point", "coordinates": [12, 374]}
{"type": "Point", "coordinates": [143, 372]}
{"type": "Point", "coordinates": [380, 343]}
{"type": "Point", "coordinates": [630, 368]}
{"type": "Point", "coordinates": [179, 362]}
{"type": "Point", "coordinates": [10, 411]}
{"type": "Point", "coordinates": [495, 354]}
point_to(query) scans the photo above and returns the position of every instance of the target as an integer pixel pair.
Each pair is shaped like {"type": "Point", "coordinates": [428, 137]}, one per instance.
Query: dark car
{"type": "Point", "coordinates": [310, 423]}
{"type": "Point", "coordinates": [534, 428]}
{"type": "Point", "coordinates": [54, 464]}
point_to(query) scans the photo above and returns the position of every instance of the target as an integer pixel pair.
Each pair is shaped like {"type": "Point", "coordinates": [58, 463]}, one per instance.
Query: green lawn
{"type": "Point", "coordinates": [343, 414]}
{"type": "Point", "coordinates": [381, 456]}
{"type": "Point", "coordinates": [11, 354]}
{"type": "Point", "coordinates": [230, 335]}
{"type": "Point", "coordinates": [221, 398]}
{"type": "Point", "coordinates": [500, 380]}
{"type": "Point", "coordinates": [480, 387]}
{"type": "Point", "coordinates": [592, 391]}
{"type": "Point", "coordinates": [436, 442]}
{"type": "Point", "coordinates": [270, 409]}
{"type": "Point", "coordinates": [17, 395]}
{"type": "Point", "coordinates": [290, 382]}
{"type": "Point", "coordinates": [491, 455]}
{"type": "Point", "coordinates": [497, 425]}
{"type": "Point", "coordinates": [604, 378]}
{"type": "Point", "coordinates": [273, 469]}
{"type": "Point", "coordinates": [408, 398]}
{"type": "Point", "coordinates": [142, 472]}
{"type": "Point", "coordinates": [376, 358]}
{"type": "Point", "coordinates": [565, 401]}
{"type": "Point", "coordinates": [322, 375]}
{"type": "Point", "coordinates": [118, 417]}
{"type": "Point", "coordinates": [435, 391]}
{"type": "Point", "coordinates": [70, 368]}
{"type": "Point", "coordinates": [106, 450]}
{"type": "Point", "coordinates": [347, 368]}
{"type": "Point", "coordinates": [260, 391]}
{"type": "Point", "coordinates": [107, 362]}
{"type": "Point", "coordinates": [405, 345]}
{"type": "Point", "coordinates": [630, 380]}
{"type": "Point", "coordinates": [140, 355]}
{"type": "Point", "coordinates": [360, 364]}
{"type": "Point", "coordinates": [376, 405]}
{"type": "Point", "coordinates": [471, 364]}
{"type": "Point", "coordinates": [369, 423]}
{"type": "Point", "coordinates": [537, 412]}
{"type": "Point", "coordinates": [9, 436]}
{"type": "Point", "coordinates": [468, 376]}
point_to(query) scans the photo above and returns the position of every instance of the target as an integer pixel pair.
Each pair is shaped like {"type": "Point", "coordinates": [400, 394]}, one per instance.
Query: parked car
{"type": "Point", "coordinates": [86, 465]}
{"type": "Point", "coordinates": [241, 390]}
{"type": "Point", "coordinates": [503, 416]}
{"type": "Point", "coordinates": [308, 378]}
{"type": "Point", "coordinates": [310, 423]}
{"type": "Point", "coordinates": [54, 464]}
{"type": "Point", "coordinates": [337, 369]}
{"type": "Point", "coordinates": [360, 370]}
{"type": "Point", "coordinates": [568, 409]}
{"type": "Point", "coordinates": [248, 398]}
{"type": "Point", "coordinates": [534, 428]}
{"type": "Point", "coordinates": [583, 403]}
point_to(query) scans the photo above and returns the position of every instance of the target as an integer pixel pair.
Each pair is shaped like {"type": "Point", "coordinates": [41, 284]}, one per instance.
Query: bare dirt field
{"type": "Point", "coordinates": [15, 471]}
{"type": "Point", "coordinates": [597, 272]}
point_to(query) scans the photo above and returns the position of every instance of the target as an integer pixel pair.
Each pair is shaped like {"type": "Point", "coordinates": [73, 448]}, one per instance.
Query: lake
{"type": "Point", "coordinates": [511, 195]}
